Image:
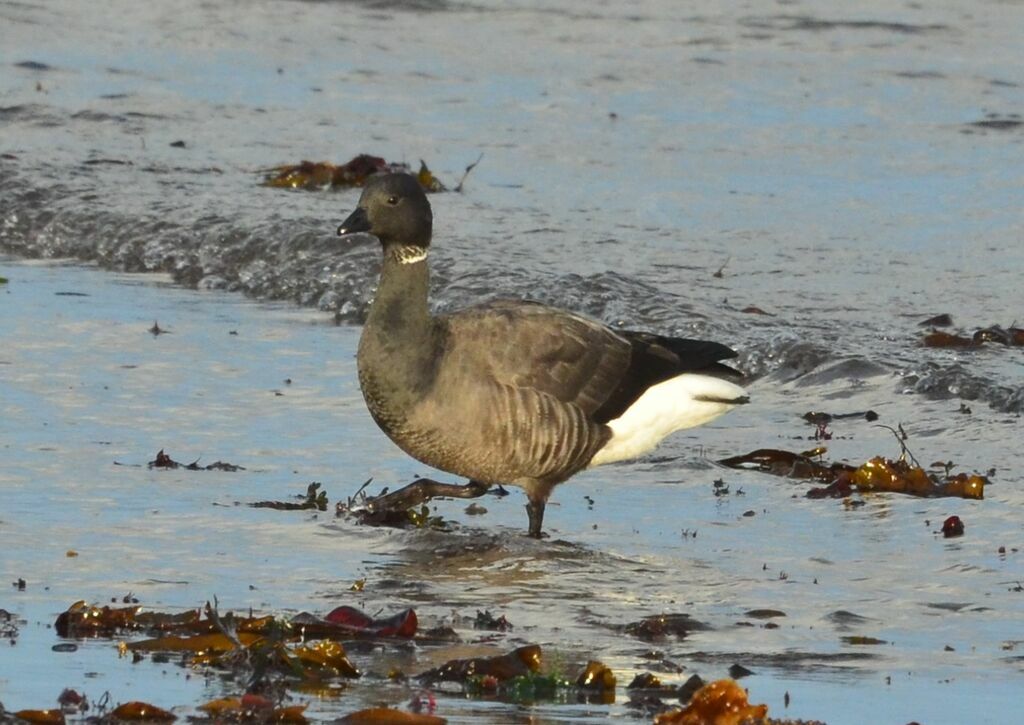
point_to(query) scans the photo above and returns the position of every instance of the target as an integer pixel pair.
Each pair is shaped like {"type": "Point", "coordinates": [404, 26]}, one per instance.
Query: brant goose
{"type": "Point", "coordinates": [510, 391]}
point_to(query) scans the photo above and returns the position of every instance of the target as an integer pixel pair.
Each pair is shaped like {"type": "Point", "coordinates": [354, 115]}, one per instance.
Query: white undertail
{"type": "Point", "coordinates": [685, 401]}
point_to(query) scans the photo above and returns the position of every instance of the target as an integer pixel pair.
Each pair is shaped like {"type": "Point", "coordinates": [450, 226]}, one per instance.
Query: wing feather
{"type": "Point", "coordinates": [528, 345]}
{"type": "Point", "coordinates": [571, 358]}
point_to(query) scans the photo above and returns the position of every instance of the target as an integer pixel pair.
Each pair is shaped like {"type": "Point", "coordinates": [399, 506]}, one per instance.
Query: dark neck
{"type": "Point", "coordinates": [400, 306]}
{"type": "Point", "coordinates": [397, 351]}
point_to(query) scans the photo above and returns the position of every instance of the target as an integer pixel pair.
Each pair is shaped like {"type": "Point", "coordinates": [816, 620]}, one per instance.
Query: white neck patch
{"type": "Point", "coordinates": [410, 255]}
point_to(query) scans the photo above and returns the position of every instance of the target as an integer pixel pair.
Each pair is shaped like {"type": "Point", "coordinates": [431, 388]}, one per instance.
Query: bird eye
{"type": "Point", "coordinates": [392, 200]}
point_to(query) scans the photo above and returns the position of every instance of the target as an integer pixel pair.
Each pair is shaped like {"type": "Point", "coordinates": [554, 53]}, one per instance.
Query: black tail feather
{"type": "Point", "coordinates": [656, 358]}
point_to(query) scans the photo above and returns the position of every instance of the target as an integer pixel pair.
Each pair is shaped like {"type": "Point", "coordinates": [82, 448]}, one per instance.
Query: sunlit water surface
{"type": "Point", "coordinates": [852, 172]}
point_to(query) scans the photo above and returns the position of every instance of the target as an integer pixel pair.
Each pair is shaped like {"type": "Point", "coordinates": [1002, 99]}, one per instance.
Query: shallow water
{"type": "Point", "coordinates": [832, 160]}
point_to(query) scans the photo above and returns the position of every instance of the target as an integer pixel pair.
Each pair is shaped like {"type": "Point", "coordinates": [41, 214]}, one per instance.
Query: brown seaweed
{"type": "Point", "coordinates": [787, 464]}
{"type": "Point", "coordinates": [163, 460]}
{"type": "Point", "coordinates": [1009, 337]}
{"type": "Point", "coordinates": [878, 474]}
{"type": "Point", "coordinates": [390, 716]}
{"type": "Point", "coordinates": [353, 173]}
{"type": "Point", "coordinates": [660, 626]}
{"type": "Point", "coordinates": [137, 711]}
{"type": "Point", "coordinates": [722, 702]}
{"type": "Point", "coordinates": [522, 661]}
{"type": "Point", "coordinates": [252, 708]}
{"type": "Point", "coordinates": [314, 499]}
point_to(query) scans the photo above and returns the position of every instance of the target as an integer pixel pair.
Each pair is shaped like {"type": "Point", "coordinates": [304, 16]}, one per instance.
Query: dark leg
{"type": "Point", "coordinates": [535, 510]}
{"type": "Point", "coordinates": [422, 490]}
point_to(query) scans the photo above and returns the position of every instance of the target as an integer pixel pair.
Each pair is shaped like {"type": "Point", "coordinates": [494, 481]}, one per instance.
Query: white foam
{"type": "Point", "coordinates": [677, 403]}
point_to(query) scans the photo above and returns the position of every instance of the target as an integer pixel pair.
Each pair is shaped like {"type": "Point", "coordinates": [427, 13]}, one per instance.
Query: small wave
{"type": "Point", "coordinates": [271, 259]}
{"type": "Point", "coordinates": [297, 260]}
{"type": "Point", "coordinates": [31, 112]}
{"type": "Point", "coordinates": [252, 249]}
{"type": "Point", "coordinates": [785, 356]}
{"type": "Point", "coordinates": [940, 381]}
{"type": "Point", "coordinates": [421, 6]}
{"type": "Point", "coordinates": [260, 254]}
{"type": "Point", "coordinates": [33, 65]}
{"type": "Point", "coordinates": [819, 25]}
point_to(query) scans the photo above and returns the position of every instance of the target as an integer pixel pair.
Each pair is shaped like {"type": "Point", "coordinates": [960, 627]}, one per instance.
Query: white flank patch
{"type": "Point", "coordinates": [411, 255]}
{"type": "Point", "coordinates": [663, 409]}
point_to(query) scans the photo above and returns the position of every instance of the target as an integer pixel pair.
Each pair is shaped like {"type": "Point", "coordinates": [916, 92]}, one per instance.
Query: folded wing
{"type": "Point", "coordinates": [575, 360]}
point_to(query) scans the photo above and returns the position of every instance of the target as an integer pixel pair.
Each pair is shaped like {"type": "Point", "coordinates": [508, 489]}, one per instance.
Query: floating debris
{"type": "Point", "coordinates": [428, 181]}
{"type": "Point", "coordinates": [405, 507]}
{"type": "Point", "coordinates": [943, 320]}
{"type": "Point", "coordinates": [82, 620]}
{"type": "Point", "coordinates": [328, 655]}
{"type": "Point", "coordinates": [71, 700]}
{"type": "Point", "coordinates": [819, 418]}
{"type": "Point", "coordinates": [403, 624]}
{"type": "Point", "coordinates": [312, 499]}
{"type": "Point", "coordinates": [645, 681]}
{"type": "Point", "coordinates": [353, 173]}
{"type": "Point", "coordinates": [486, 620]}
{"type": "Point", "coordinates": [272, 656]}
{"type": "Point", "coordinates": [952, 527]}
{"type": "Point", "coordinates": [141, 712]}
{"type": "Point", "coordinates": [861, 640]}
{"type": "Point", "coordinates": [737, 671]}
{"type": "Point", "coordinates": [1010, 337]}
{"type": "Point", "coordinates": [877, 474]}
{"type": "Point", "coordinates": [252, 708]}
{"type": "Point", "coordinates": [39, 717]}
{"type": "Point", "coordinates": [722, 702]}
{"type": "Point", "coordinates": [315, 175]}
{"type": "Point", "coordinates": [787, 464]}
{"type": "Point", "coordinates": [199, 644]}
{"type": "Point", "coordinates": [389, 716]}
{"type": "Point", "coordinates": [881, 474]}
{"type": "Point", "coordinates": [163, 460]}
{"type": "Point", "coordinates": [596, 676]}
{"type": "Point", "coordinates": [691, 687]}
{"type": "Point", "coordinates": [519, 662]}
{"type": "Point", "coordinates": [660, 626]}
